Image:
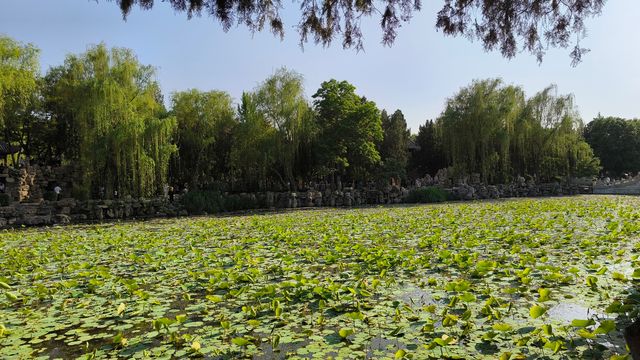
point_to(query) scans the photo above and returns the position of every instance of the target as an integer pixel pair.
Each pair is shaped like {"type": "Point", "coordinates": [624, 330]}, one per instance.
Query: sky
{"type": "Point", "coordinates": [416, 75]}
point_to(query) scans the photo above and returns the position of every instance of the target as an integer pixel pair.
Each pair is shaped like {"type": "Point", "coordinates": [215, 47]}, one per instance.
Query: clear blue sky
{"type": "Point", "coordinates": [417, 74]}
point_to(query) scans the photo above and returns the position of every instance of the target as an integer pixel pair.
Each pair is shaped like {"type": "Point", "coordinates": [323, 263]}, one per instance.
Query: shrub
{"type": "Point", "coordinates": [49, 196]}
{"type": "Point", "coordinates": [429, 194]}
{"type": "Point", "coordinates": [210, 202]}
{"type": "Point", "coordinates": [5, 199]}
{"type": "Point", "coordinates": [80, 193]}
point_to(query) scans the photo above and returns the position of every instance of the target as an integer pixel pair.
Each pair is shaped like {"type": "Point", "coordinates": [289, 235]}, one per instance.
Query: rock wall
{"type": "Point", "coordinates": [28, 187]}
{"type": "Point", "coordinates": [481, 191]}
{"type": "Point", "coordinates": [32, 183]}
{"type": "Point", "coordinates": [70, 210]}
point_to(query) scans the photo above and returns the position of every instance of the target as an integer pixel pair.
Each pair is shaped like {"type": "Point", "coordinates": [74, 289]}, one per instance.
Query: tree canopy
{"type": "Point", "coordinates": [117, 128]}
{"type": "Point", "coordinates": [349, 129]}
{"type": "Point", "coordinates": [395, 144]}
{"type": "Point", "coordinates": [616, 142]}
{"type": "Point", "coordinates": [19, 78]}
{"type": "Point", "coordinates": [101, 114]}
{"type": "Point", "coordinates": [493, 130]}
{"type": "Point", "coordinates": [204, 124]}
{"type": "Point", "coordinates": [504, 25]}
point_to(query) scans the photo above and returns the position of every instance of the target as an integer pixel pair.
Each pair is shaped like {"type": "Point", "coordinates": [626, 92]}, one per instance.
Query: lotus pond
{"type": "Point", "coordinates": [514, 279]}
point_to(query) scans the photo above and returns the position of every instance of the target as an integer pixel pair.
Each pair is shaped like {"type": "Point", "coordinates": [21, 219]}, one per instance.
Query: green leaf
{"type": "Point", "coordinates": [275, 341]}
{"type": "Point", "coordinates": [449, 320]}
{"type": "Point", "coordinates": [11, 296]}
{"type": "Point", "coordinates": [253, 323]}
{"type": "Point", "coordinates": [536, 311]}
{"type": "Point", "coordinates": [444, 340]}
{"type": "Point", "coordinates": [618, 276]}
{"type": "Point", "coordinates": [614, 307]}
{"type": "Point", "coordinates": [400, 354]}
{"type": "Point", "coordinates": [605, 327]}
{"type": "Point", "coordinates": [582, 323]}
{"type": "Point", "coordinates": [214, 298]}
{"type": "Point", "coordinates": [502, 327]}
{"type": "Point", "coordinates": [4, 285]}
{"type": "Point", "coordinates": [240, 341]}
{"type": "Point", "coordinates": [120, 340]}
{"type": "Point", "coordinates": [467, 297]}
{"type": "Point", "coordinates": [345, 332]}
{"type": "Point", "coordinates": [121, 308]}
{"type": "Point", "coordinates": [544, 294]}
{"type": "Point", "coordinates": [505, 356]}
{"type": "Point", "coordinates": [620, 357]}
{"type": "Point", "coordinates": [195, 346]}
{"type": "Point", "coordinates": [555, 346]}
{"type": "Point", "coordinates": [586, 334]}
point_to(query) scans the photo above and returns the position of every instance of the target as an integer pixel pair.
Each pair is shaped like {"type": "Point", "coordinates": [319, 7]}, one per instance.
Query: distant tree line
{"type": "Point", "coordinates": [102, 112]}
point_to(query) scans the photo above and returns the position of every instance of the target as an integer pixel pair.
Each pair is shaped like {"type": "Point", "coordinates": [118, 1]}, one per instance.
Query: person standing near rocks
{"type": "Point", "coordinates": [57, 190]}
{"type": "Point", "coordinates": [165, 191]}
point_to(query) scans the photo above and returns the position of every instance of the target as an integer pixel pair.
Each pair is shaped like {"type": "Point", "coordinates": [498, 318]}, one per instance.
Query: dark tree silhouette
{"type": "Point", "coordinates": [507, 25]}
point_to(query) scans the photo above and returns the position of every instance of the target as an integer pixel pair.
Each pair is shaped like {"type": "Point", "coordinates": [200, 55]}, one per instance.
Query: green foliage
{"type": "Point", "coordinates": [5, 199]}
{"type": "Point", "coordinates": [430, 157]}
{"type": "Point", "coordinates": [205, 123]}
{"type": "Point", "coordinates": [616, 142]}
{"type": "Point", "coordinates": [476, 127]}
{"type": "Point", "coordinates": [19, 70]}
{"type": "Point", "coordinates": [211, 202]}
{"type": "Point", "coordinates": [491, 129]}
{"type": "Point", "coordinates": [275, 133]}
{"type": "Point", "coordinates": [281, 103]}
{"type": "Point", "coordinates": [483, 280]}
{"type": "Point", "coordinates": [349, 128]}
{"type": "Point", "coordinates": [394, 146]}
{"type": "Point", "coordinates": [429, 194]}
{"type": "Point", "coordinates": [19, 85]}
{"type": "Point", "coordinates": [102, 113]}
{"type": "Point", "coordinates": [49, 195]}
{"type": "Point", "coordinates": [120, 135]}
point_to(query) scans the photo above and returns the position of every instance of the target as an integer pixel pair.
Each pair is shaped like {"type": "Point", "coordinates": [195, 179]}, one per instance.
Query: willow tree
{"type": "Point", "coordinates": [281, 102]}
{"type": "Point", "coordinates": [253, 151]}
{"type": "Point", "coordinates": [116, 122]}
{"type": "Point", "coordinates": [205, 124]}
{"type": "Point", "coordinates": [550, 142]}
{"type": "Point", "coordinates": [19, 73]}
{"type": "Point", "coordinates": [477, 125]}
{"type": "Point", "coordinates": [492, 129]}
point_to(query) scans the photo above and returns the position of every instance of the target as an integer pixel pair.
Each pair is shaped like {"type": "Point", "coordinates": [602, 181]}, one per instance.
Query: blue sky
{"type": "Point", "coordinates": [417, 74]}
